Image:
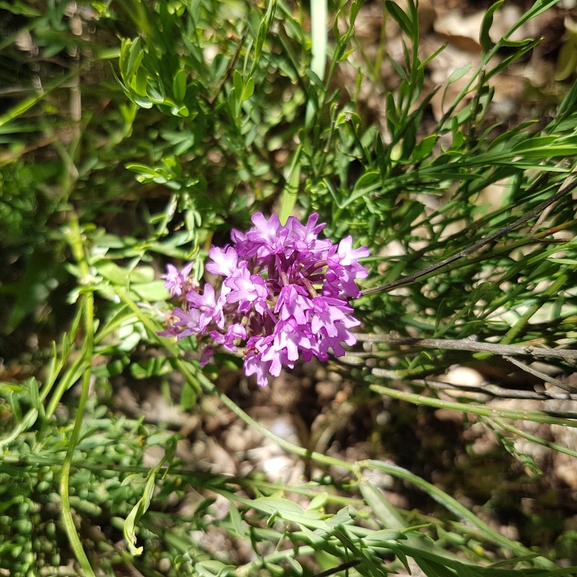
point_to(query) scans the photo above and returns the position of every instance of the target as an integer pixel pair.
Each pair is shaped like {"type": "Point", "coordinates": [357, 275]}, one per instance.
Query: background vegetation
{"type": "Point", "coordinates": [137, 133]}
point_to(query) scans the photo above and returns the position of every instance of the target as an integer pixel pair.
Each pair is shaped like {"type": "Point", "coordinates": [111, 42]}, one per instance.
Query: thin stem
{"type": "Point", "coordinates": [88, 312]}
{"type": "Point", "coordinates": [549, 417]}
{"type": "Point", "coordinates": [493, 390]}
{"type": "Point", "coordinates": [63, 385]}
{"type": "Point", "coordinates": [286, 445]}
{"type": "Point", "coordinates": [67, 518]}
{"type": "Point", "coordinates": [57, 365]}
{"type": "Point", "coordinates": [565, 189]}
{"type": "Point", "coordinates": [520, 324]}
{"type": "Point", "coordinates": [526, 350]}
{"type": "Point", "coordinates": [534, 439]}
{"type": "Point", "coordinates": [540, 375]}
{"type": "Point", "coordinates": [454, 507]}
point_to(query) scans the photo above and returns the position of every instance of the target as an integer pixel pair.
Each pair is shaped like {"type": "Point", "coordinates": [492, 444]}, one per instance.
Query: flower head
{"type": "Point", "coordinates": [283, 294]}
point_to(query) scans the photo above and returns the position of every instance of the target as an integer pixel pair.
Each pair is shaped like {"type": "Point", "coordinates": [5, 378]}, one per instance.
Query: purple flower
{"type": "Point", "coordinates": [224, 262]}
{"type": "Point", "coordinates": [305, 236]}
{"type": "Point", "coordinates": [207, 354]}
{"type": "Point", "coordinates": [207, 306]}
{"type": "Point", "coordinates": [254, 365]}
{"type": "Point", "coordinates": [247, 290]}
{"type": "Point", "coordinates": [293, 303]}
{"type": "Point", "coordinates": [190, 323]}
{"type": "Point", "coordinates": [266, 237]}
{"type": "Point", "coordinates": [284, 294]}
{"type": "Point", "coordinates": [233, 333]}
{"type": "Point", "coordinates": [328, 312]}
{"type": "Point", "coordinates": [175, 280]}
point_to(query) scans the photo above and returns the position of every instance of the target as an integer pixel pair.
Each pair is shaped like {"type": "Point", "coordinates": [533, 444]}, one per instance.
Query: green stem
{"type": "Point", "coordinates": [286, 445]}
{"type": "Point", "coordinates": [534, 438]}
{"type": "Point", "coordinates": [454, 507]}
{"type": "Point", "coordinates": [65, 478]}
{"type": "Point", "coordinates": [207, 479]}
{"type": "Point", "coordinates": [63, 385]}
{"type": "Point", "coordinates": [167, 343]}
{"type": "Point", "coordinates": [88, 311]}
{"type": "Point", "coordinates": [56, 364]}
{"type": "Point", "coordinates": [565, 419]}
{"type": "Point", "coordinates": [520, 324]}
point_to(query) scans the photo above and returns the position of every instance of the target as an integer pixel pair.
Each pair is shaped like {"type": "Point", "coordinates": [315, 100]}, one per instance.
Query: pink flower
{"type": "Point", "coordinates": [224, 262]}
{"type": "Point", "coordinates": [284, 293]}
{"type": "Point", "coordinates": [175, 280]}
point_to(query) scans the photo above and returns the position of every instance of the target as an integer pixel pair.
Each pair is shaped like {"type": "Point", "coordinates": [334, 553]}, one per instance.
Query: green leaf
{"type": "Point", "coordinates": [424, 148]}
{"type": "Point", "coordinates": [484, 37]}
{"type": "Point", "coordinates": [142, 274]}
{"type": "Point", "coordinates": [139, 84]}
{"type": "Point", "coordinates": [134, 60]}
{"type": "Point", "coordinates": [134, 516]}
{"type": "Point", "coordinates": [289, 195]}
{"type": "Point", "coordinates": [381, 508]}
{"type": "Point", "coordinates": [188, 397]}
{"type": "Point", "coordinates": [319, 35]}
{"type": "Point", "coordinates": [459, 72]}
{"type": "Point", "coordinates": [347, 117]}
{"type": "Point", "coordinates": [142, 169]}
{"type": "Point", "coordinates": [367, 180]}
{"type": "Point", "coordinates": [179, 86]}
{"type": "Point", "coordinates": [547, 146]}
{"type": "Point", "coordinates": [152, 367]}
{"type": "Point", "coordinates": [29, 419]}
{"type": "Point", "coordinates": [380, 538]}
{"type": "Point", "coordinates": [153, 291]}
{"type": "Point", "coordinates": [237, 521]}
{"type": "Point", "coordinates": [248, 89]}
{"type": "Point", "coordinates": [566, 61]}
{"type": "Point", "coordinates": [129, 528]}
{"type": "Point", "coordinates": [238, 83]}
{"type": "Point", "coordinates": [527, 461]}
{"type": "Point", "coordinates": [314, 79]}
{"type": "Point", "coordinates": [430, 58]}
{"type": "Point", "coordinates": [400, 17]}
{"type": "Point", "coordinates": [399, 70]}
{"type": "Point", "coordinates": [295, 566]}
{"type": "Point", "coordinates": [318, 502]}
{"type": "Point", "coordinates": [155, 91]}
{"type": "Point", "coordinates": [11, 388]}
{"type": "Point", "coordinates": [112, 272]}
{"type": "Point", "coordinates": [278, 505]}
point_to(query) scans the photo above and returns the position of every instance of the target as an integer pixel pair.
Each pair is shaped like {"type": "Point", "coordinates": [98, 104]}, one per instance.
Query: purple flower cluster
{"type": "Point", "coordinates": [284, 293]}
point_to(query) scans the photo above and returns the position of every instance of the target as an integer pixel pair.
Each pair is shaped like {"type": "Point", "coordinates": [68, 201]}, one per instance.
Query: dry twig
{"type": "Point", "coordinates": [569, 355]}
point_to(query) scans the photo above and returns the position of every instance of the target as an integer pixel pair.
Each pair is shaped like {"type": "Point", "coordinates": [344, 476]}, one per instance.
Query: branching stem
{"type": "Point", "coordinates": [568, 355]}
{"type": "Point", "coordinates": [567, 187]}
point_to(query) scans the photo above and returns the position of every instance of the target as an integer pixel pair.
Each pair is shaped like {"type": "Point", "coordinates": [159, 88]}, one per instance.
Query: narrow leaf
{"type": "Point", "coordinates": [400, 17]}
{"type": "Point", "coordinates": [484, 37]}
